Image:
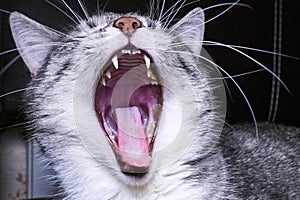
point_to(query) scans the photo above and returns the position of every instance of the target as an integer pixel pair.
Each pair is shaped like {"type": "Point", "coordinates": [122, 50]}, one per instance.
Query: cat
{"type": "Point", "coordinates": [126, 108]}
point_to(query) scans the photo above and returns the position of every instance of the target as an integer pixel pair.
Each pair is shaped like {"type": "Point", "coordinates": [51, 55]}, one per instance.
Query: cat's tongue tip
{"type": "Point", "coordinates": [133, 143]}
{"type": "Point", "coordinates": [136, 160]}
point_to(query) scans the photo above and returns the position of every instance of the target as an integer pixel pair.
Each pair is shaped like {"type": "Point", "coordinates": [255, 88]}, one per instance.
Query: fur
{"type": "Point", "coordinates": [192, 159]}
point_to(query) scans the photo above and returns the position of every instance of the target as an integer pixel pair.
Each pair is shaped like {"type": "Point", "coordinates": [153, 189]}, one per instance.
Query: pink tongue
{"type": "Point", "coordinates": [132, 139]}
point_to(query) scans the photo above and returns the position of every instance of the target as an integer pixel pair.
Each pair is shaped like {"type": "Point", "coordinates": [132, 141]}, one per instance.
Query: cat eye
{"type": "Point", "coordinates": [101, 30]}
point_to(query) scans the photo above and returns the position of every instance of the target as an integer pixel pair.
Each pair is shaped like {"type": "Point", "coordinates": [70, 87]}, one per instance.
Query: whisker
{"type": "Point", "coordinates": [162, 9]}
{"type": "Point", "coordinates": [171, 10]}
{"type": "Point", "coordinates": [217, 5]}
{"type": "Point", "coordinates": [8, 51]}
{"type": "Point", "coordinates": [264, 51]}
{"type": "Point", "coordinates": [241, 91]}
{"type": "Point", "coordinates": [181, 5]}
{"type": "Point", "coordinates": [84, 9]}
{"type": "Point", "coordinates": [239, 47]}
{"type": "Point", "coordinates": [15, 125]}
{"type": "Point", "coordinates": [62, 11]}
{"type": "Point", "coordinates": [49, 44]}
{"type": "Point", "coordinates": [225, 11]}
{"type": "Point", "coordinates": [105, 5]}
{"type": "Point", "coordinates": [5, 11]}
{"type": "Point", "coordinates": [151, 10]}
{"type": "Point", "coordinates": [227, 4]}
{"type": "Point", "coordinates": [13, 92]}
{"type": "Point", "coordinates": [187, 4]}
{"type": "Point", "coordinates": [224, 81]}
{"type": "Point", "coordinates": [239, 75]}
{"type": "Point", "coordinates": [98, 7]}
{"type": "Point", "coordinates": [6, 67]}
{"type": "Point", "coordinates": [72, 11]}
{"type": "Point", "coordinates": [254, 60]}
{"type": "Point", "coordinates": [215, 17]}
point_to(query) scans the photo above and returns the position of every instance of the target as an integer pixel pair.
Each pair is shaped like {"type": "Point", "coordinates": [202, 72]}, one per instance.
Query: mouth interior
{"type": "Point", "coordinates": [128, 104]}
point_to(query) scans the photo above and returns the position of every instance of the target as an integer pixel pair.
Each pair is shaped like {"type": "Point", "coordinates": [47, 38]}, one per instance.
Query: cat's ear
{"type": "Point", "coordinates": [32, 39]}
{"type": "Point", "coordinates": [191, 29]}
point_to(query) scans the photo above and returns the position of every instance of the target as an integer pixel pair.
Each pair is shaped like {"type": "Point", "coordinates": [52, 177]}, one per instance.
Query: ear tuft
{"type": "Point", "coordinates": [32, 40]}
{"type": "Point", "coordinates": [191, 29]}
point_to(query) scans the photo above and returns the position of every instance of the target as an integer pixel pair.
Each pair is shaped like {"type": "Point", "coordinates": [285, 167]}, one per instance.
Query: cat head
{"type": "Point", "coordinates": [119, 93]}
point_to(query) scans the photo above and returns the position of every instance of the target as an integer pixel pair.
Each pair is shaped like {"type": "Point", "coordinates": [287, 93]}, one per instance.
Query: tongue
{"type": "Point", "coordinates": [133, 144]}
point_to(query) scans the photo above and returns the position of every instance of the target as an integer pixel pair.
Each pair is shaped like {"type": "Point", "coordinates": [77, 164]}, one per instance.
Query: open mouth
{"type": "Point", "coordinates": [128, 104]}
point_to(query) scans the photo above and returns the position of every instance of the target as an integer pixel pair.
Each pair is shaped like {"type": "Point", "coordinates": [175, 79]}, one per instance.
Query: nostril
{"type": "Point", "coordinates": [135, 25]}
{"type": "Point", "coordinates": [121, 25]}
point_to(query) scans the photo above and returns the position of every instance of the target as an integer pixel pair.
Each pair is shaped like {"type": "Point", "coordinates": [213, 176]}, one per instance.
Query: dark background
{"type": "Point", "coordinates": [240, 26]}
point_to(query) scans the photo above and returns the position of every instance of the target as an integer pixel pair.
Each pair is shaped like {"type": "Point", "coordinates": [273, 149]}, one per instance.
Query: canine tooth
{"type": "Point", "coordinates": [115, 62]}
{"type": "Point", "coordinates": [147, 61]}
{"type": "Point", "coordinates": [108, 74]}
{"type": "Point", "coordinates": [103, 82]}
{"type": "Point", "coordinates": [149, 73]}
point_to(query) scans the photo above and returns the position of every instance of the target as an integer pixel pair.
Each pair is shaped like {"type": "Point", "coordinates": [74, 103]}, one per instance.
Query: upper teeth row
{"type": "Point", "coordinates": [131, 51]}
{"type": "Point", "coordinates": [116, 63]}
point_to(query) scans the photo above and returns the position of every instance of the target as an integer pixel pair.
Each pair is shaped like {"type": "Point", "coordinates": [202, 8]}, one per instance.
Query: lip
{"type": "Point", "coordinates": [129, 91]}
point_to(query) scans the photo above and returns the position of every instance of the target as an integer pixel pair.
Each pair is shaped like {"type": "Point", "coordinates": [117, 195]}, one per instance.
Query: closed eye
{"type": "Point", "coordinates": [101, 29]}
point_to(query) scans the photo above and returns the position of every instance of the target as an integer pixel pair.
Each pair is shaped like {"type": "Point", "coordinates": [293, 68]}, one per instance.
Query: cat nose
{"type": "Point", "coordinates": [128, 25]}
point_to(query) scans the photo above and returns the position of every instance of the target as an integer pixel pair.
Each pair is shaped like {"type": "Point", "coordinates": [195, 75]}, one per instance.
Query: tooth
{"type": "Point", "coordinates": [149, 73]}
{"type": "Point", "coordinates": [153, 77]}
{"type": "Point", "coordinates": [153, 82]}
{"type": "Point", "coordinates": [115, 62]}
{"type": "Point", "coordinates": [136, 51]}
{"type": "Point", "coordinates": [103, 82]}
{"type": "Point", "coordinates": [151, 131]}
{"type": "Point", "coordinates": [126, 51]}
{"type": "Point", "coordinates": [108, 74]}
{"type": "Point", "coordinates": [147, 61]}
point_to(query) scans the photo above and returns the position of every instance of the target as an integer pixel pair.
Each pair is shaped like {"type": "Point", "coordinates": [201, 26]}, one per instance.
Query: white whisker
{"type": "Point", "coordinates": [227, 4]}
{"type": "Point", "coordinates": [13, 92]}
{"type": "Point", "coordinates": [162, 10]}
{"type": "Point", "coordinates": [98, 7]}
{"type": "Point", "coordinates": [239, 75]}
{"type": "Point", "coordinates": [166, 16]}
{"type": "Point", "coordinates": [181, 5]}
{"type": "Point", "coordinates": [187, 4]}
{"type": "Point", "coordinates": [239, 88]}
{"type": "Point", "coordinates": [238, 47]}
{"type": "Point", "coordinates": [105, 5]}
{"type": "Point", "coordinates": [264, 51]}
{"type": "Point", "coordinates": [6, 67]}
{"type": "Point", "coordinates": [84, 9]}
{"type": "Point", "coordinates": [215, 17]}
{"type": "Point", "coordinates": [15, 125]}
{"type": "Point", "coordinates": [5, 11]}
{"type": "Point", "coordinates": [254, 60]}
{"type": "Point", "coordinates": [8, 51]}
{"type": "Point", "coordinates": [59, 9]}
{"type": "Point", "coordinates": [72, 11]}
